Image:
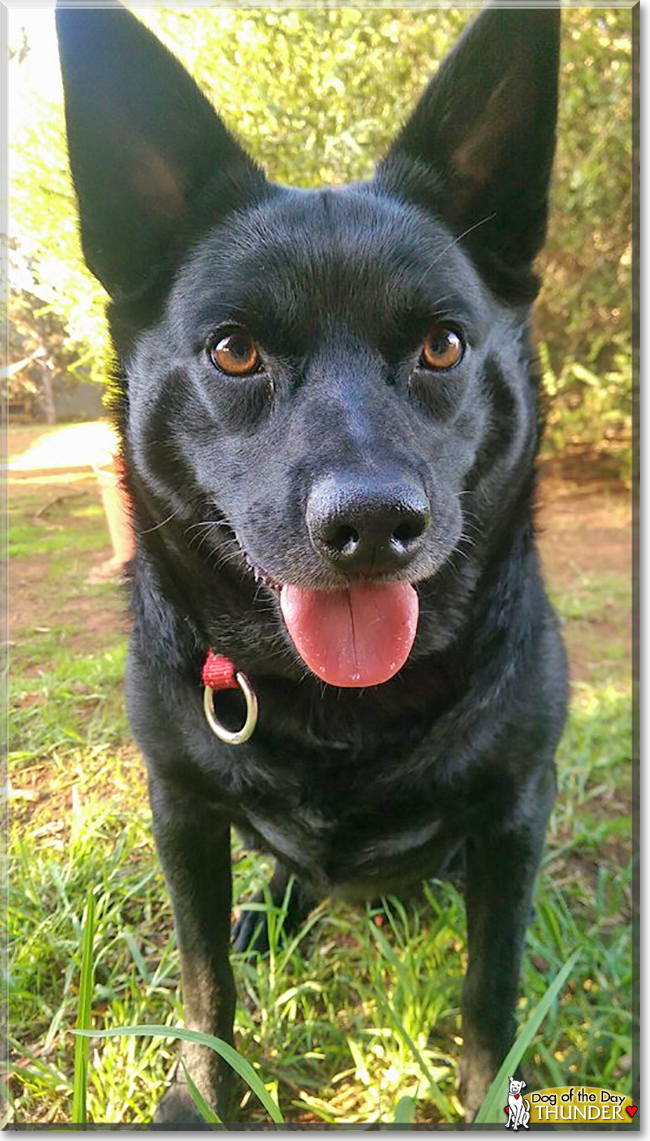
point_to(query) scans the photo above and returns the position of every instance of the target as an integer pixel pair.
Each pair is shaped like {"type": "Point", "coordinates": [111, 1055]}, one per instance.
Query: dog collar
{"type": "Point", "coordinates": [219, 673]}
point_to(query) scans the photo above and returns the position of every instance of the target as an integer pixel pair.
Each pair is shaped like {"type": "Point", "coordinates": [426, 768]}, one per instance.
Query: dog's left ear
{"type": "Point", "coordinates": [479, 146]}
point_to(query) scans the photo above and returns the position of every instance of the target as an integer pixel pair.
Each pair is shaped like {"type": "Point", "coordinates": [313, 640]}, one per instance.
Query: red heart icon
{"type": "Point", "coordinates": [517, 1096]}
{"type": "Point", "coordinates": [631, 1109]}
{"type": "Point", "coordinates": [506, 1109]}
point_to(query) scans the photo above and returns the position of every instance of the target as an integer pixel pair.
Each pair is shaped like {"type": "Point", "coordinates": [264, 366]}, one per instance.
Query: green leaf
{"type": "Point", "coordinates": [225, 1051]}
{"type": "Point", "coordinates": [82, 1046]}
{"type": "Point", "coordinates": [492, 1109]}
{"type": "Point", "coordinates": [404, 1111]}
{"type": "Point", "coordinates": [201, 1104]}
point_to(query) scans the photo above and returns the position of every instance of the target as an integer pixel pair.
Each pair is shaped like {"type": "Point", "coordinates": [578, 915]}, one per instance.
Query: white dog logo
{"type": "Point", "coordinates": [518, 1109]}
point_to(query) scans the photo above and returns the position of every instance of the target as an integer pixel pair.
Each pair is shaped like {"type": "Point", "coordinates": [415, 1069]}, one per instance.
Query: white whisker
{"type": "Point", "coordinates": [455, 242]}
{"type": "Point", "coordinates": [148, 530]}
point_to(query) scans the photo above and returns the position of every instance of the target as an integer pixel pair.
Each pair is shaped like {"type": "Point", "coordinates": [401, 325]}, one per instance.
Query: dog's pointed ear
{"type": "Point", "coordinates": [143, 141]}
{"type": "Point", "coordinates": [479, 146]}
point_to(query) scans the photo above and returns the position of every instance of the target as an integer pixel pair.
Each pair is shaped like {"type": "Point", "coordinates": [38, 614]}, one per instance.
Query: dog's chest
{"type": "Point", "coordinates": [353, 844]}
{"type": "Point", "coordinates": [353, 818]}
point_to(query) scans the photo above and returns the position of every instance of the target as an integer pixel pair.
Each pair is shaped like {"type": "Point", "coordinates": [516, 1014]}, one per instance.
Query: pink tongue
{"type": "Point", "coordinates": [355, 637]}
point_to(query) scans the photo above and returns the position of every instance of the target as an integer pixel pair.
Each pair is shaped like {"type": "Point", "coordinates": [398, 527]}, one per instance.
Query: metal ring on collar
{"type": "Point", "coordinates": [240, 735]}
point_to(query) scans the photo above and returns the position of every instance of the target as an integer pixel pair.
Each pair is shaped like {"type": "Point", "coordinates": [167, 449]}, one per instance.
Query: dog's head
{"type": "Point", "coordinates": [327, 391]}
{"type": "Point", "coordinates": [515, 1086]}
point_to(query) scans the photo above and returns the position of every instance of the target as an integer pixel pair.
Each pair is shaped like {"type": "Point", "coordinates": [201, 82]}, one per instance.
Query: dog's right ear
{"type": "Point", "coordinates": [144, 143]}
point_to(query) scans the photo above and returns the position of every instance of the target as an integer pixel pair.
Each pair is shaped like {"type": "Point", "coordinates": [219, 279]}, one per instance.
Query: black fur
{"type": "Point", "coordinates": [356, 792]}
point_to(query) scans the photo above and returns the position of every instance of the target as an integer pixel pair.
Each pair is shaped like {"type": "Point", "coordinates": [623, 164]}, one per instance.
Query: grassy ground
{"type": "Point", "coordinates": [338, 1029]}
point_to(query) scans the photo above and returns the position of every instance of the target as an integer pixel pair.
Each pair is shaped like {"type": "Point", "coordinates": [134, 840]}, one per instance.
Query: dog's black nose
{"type": "Point", "coordinates": [373, 525]}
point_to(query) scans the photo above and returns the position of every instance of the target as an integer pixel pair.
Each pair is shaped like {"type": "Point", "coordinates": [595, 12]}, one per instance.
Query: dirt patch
{"type": "Point", "coordinates": [585, 534]}
{"type": "Point", "coordinates": [36, 605]}
{"type": "Point", "coordinates": [584, 530]}
{"type": "Point", "coordinates": [29, 605]}
{"type": "Point", "coordinates": [51, 574]}
{"type": "Point", "coordinates": [100, 618]}
{"type": "Point", "coordinates": [588, 645]}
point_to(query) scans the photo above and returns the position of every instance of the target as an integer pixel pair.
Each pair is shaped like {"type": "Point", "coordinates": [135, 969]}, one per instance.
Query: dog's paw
{"type": "Point", "coordinates": [473, 1084]}
{"type": "Point", "coordinates": [176, 1110]}
{"type": "Point", "coordinates": [250, 932]}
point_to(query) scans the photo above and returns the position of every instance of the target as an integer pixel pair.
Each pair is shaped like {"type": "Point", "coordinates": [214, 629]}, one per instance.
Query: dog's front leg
{"type": "Point", "coordinates": [502, 863]}
{"type": "Point", "coordinates": [194, 849]}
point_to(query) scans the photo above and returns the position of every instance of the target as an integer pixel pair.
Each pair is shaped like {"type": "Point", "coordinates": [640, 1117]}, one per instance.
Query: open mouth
{"type": "Point", "coordinates": [357, 636]}
{"type": "Point", "coordinates": [261, 576]}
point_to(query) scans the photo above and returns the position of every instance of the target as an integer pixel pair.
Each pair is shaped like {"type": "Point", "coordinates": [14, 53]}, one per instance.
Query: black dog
{"type": "Point", "coordinates": [330, 415]}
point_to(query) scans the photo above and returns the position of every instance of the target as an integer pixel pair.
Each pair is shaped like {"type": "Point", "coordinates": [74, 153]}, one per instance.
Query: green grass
{"type": "Point", "coordinates": [27, 538]}
{"type": "Point", "coordinates": [345, 1023]}
{"type": "Point", "coordinates": [78, 699]}
{"type": "Point", "coordinates": [592, 596]}
{"type": "Point", "coordinates": [84, 1008]}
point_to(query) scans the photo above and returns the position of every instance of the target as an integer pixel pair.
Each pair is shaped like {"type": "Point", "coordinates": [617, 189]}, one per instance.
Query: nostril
{"type": "Point", "coordinates": [412, 529]}
{"type": "Point", "coordinates": [344, 539]}
{"type": "Point", "coordinates": [404, 533]}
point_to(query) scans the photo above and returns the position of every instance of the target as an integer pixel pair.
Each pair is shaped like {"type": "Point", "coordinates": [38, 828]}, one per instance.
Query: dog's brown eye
{"type": "Point", "coordinates": [235, 354]}
{"type": "Point", "coordinates": [443, 348]}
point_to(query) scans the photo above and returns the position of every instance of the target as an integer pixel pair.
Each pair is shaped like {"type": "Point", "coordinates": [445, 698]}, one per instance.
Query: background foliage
{"type": "Point", "coordinates": [316, 95]}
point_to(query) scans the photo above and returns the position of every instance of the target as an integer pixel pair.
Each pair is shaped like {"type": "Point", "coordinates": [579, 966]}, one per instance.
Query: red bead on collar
{"type": "Point", "coordinates": [219, 672]}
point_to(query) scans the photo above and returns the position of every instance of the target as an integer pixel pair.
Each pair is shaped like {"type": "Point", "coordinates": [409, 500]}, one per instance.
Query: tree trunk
{"type": "Point", "coordinates": [47, 393]}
